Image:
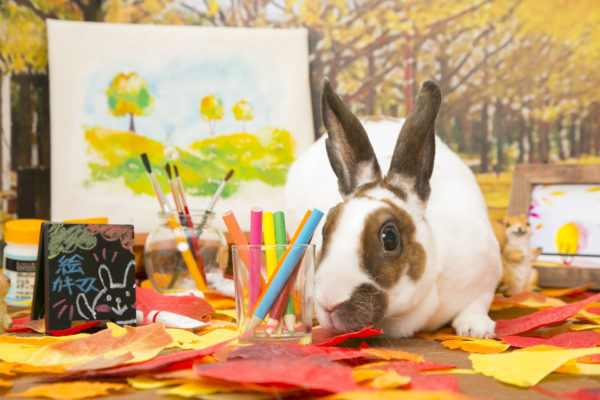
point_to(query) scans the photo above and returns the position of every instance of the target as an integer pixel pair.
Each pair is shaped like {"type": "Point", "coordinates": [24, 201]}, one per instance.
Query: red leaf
{"type": "Point", "coordinates": [74, 329]}
{"type": "Point", "coordinates": [292, 350]}
{"type": "Point", "coordinates": [593, 310]}
{"type": "Point", "coordinates": [592, 393]}
{"type": "Point", "coordinates": [569, 340]}
{"type": "Point", "coordinates": [538, 319]}
{"type": "Point", "coordinates": [190, 306]}
{"type": "Point", "coordinates": [433, 382]}
{"type": "Point", "coordinates": [156, 364]}
{"type": "Point", "coordinates": [309, 373]}
{"type": "Point", "coordinates": [326, 338]}
{"type": "Point", "coordinates": [403, 365]}
{"type": "Point", "coordinates": [589, 359]}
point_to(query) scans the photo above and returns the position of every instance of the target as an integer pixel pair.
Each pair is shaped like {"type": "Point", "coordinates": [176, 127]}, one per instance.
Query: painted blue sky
{"type": "Point", "coordinates": [178, 83]}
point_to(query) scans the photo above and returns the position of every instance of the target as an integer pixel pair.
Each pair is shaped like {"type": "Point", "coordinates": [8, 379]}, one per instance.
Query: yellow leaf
{"type": "Point", "coordinates": [200, 387]}
{"type": "Point", "coordinates": [485, 346]}
{"type": "Point", "coordinates": [390, 380]}
{"type": "Point", "coordinates": [5, 383]}
{"type": "Point", "coordinates": [143, 342]}
{"type": "Point", "coordinates": [361, 375]}
{"type": "Point", "coordinates": [6, 368]}
{"type": "Point", "coordinates": [584, 327]}
{"type": "Point", "coordinates": [71, 390]}
{"type": "Point", "coordinates": [230, 313]}
{"type": "Point", "coordinates": [397, 395]}
{"type": "Point", "coordinates": [201, 341]}
{"type": "Point", "coordinates": [525, 368]}
{"type": "Point", "coordinates": [393, 354]}
{"type": "Point", "coordinates": [575, 368]}
{"type": "Point", "coordinates": [145, 382]}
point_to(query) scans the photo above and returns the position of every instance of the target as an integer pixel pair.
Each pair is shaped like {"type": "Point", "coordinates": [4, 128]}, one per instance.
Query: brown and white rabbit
{"type": "Point", "coordinates": [410, 251]}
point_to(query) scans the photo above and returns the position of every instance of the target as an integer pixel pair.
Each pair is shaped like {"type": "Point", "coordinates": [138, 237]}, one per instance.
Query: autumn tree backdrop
{"type": "Point", "coordinates": [520, 78]}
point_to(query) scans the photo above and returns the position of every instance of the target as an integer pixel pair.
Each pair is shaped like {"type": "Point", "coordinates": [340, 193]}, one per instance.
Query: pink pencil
{"type": "Point", "coordinates": [254, 276]}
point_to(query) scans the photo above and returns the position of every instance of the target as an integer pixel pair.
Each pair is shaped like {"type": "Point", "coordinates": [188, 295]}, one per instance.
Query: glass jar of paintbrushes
{"type": "Point", "coordinates": [166, 267]}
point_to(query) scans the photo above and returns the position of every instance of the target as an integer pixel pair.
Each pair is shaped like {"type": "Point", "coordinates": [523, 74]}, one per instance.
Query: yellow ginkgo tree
{"type": "Point", "coordinates": [211, 109]}
{"type": "Point", "coordinates": [242, 110]}
{"type": "Point", "coordinates": [128, 95]}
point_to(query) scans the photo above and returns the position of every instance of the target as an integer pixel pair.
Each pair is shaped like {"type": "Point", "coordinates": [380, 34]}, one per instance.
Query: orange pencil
{"type": "Point", "coordinates": [238, 236]}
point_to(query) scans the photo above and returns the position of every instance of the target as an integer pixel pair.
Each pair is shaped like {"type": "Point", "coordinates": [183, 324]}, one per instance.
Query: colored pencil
{"type": "Point", "coordinates": [281, 277]}
{"type": "Point", "coordinates": [289, 314]}
{"type": "Point", "coordinates": [268, 224]}
{"type": "Point", "coordinates": [237, 235]}
{"type": "Point", "coordinates": [183, 246]}
{"type": "Point", "coordinates": [254, 275]}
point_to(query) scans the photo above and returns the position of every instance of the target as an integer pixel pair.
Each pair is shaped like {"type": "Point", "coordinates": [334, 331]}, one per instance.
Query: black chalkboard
{"type": "Point", "coordinates": [85, 272]}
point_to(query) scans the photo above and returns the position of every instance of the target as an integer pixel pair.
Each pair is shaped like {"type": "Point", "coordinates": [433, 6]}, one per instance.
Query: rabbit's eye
{"type": "Point", "coordinates": [390, 238]}
{"type": "Point", "coordinates": [108, 297]}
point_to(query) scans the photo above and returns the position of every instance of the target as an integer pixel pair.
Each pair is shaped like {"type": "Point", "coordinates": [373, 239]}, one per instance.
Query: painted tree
{"type": "Point", "coordinates": [128, 95]}
{"type": "Point", "coordinates": [211, 109]}
{"type": "Point", "coordinates": [242, 110]}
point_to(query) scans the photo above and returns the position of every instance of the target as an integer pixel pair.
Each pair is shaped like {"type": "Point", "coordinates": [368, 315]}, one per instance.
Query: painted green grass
{"type": "Point", "coordinates": [263, 156]}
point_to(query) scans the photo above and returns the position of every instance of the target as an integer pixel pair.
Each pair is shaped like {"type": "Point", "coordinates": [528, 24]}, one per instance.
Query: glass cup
{"type": "Point", "coordinates": [163, 260]}
{"type": "Point", "coordinates": [286, 302]}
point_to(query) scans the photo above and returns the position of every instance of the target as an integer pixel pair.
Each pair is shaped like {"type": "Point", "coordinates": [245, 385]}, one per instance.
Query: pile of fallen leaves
{"type": "Point", "coordinates": [554, 332]}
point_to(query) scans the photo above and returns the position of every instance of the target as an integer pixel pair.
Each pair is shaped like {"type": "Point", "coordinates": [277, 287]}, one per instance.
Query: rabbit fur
{"type": "Point", "coordinates": [410, 251]}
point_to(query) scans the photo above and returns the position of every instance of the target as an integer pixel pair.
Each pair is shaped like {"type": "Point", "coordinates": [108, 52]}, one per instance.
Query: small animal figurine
{"type": "Point", "coordinates": [412, 250]}
{"type": "Point", "coordinates": [517, 256]}
{"type": "Point", "coordinates": [5, 319]}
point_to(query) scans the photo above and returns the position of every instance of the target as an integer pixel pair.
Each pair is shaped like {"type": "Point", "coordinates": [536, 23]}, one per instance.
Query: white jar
{"type": "Point", "coordinates": [20, 259]}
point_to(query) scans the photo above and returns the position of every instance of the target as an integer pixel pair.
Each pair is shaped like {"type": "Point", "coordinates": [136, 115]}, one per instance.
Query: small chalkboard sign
{"type": "Point", "coordinates": [84, 272]}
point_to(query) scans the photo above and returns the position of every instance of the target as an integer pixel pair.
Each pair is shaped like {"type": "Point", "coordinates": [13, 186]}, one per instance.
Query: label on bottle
{"type": "Point", "coordinates": [22, 279]}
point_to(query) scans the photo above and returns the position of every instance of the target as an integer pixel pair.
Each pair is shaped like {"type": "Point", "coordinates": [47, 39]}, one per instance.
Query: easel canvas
{"type": "Point", "coordinates": [205, 99]}
{"type": "Point", "coordinates": [85, 272]}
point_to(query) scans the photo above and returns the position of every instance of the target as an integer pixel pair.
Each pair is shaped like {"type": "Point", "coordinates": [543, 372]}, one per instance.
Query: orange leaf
{"type": "Point", "coordinates": [481, 346]}
{"type": "Point", "coordinates": [71, 390]}
{"type": "Point", "coordinates": [6, 368]}
{"type": "Point", "coordinates": [392, 354]}
{"type": "Point", "coordinates": [143, 342]}
{"type": "Point", "coordinates": [5, 383]}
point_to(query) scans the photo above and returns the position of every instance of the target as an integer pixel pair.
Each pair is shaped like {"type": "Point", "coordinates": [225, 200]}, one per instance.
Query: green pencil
{"type": "Point", "coordinates": [289, 313]}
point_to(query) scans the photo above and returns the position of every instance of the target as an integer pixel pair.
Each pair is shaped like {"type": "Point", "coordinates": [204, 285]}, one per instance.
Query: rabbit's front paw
{"type": "Point", "coordinates": [473, 323]}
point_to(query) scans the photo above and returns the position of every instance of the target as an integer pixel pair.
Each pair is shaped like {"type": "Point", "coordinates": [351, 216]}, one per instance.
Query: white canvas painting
{"type": "Point", "coordinates": [566, 223]}
{"type": "Point", "coordinates": [204, 99]}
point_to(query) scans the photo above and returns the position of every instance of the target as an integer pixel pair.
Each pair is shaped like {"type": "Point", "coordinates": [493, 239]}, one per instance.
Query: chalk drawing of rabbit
{"type": "Point", "coordinates": [113, 299]}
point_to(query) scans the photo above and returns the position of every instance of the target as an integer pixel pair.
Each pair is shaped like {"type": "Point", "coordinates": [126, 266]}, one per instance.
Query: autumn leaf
{"type": "Point", "coordinates": [525, 368]}
{"type": "Point", "coordinates": [71, 390]}
{"type": "Point", "coordinates": [309, 373]}
{"type": "Point", "coordinates": [541, 318]}
{"type": "Point", "coordinates": [398, 395]}
{"type": "Point", "coordinates": [569, 340]}
{"type": "Point", "coordinates": [143, 342]}
{"type": "Point", "coordinates": [293, 350]}
{"type": "Point", "coordinates": [472, 345]}
{"type": "Point", "coordinates": [323, 337]}
{"type": "Point", "coordinates": [189, 306]}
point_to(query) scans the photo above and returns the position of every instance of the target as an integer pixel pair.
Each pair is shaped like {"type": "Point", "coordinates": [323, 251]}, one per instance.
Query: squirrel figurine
{"type": "Point", "coordinates": [517, 254]}
{"type": "Point", "coordinates": [5, 320]}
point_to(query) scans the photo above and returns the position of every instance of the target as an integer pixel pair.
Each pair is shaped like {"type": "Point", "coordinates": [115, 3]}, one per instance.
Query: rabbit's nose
{"type": "Point", "coordinates": [331, 308]}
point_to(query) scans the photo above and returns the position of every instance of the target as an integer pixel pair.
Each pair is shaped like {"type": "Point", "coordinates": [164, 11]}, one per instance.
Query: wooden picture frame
{"type": "Point", "coordinates": [524, 178]}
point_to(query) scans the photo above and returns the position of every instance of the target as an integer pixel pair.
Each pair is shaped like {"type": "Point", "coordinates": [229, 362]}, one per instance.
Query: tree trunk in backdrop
{"type": "Point", "coordinates": [485, 143]}
{"type": "Point", "coordinates": [544, 143]}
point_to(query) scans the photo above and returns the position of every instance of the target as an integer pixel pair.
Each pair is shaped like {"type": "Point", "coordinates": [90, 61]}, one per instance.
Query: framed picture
{"type": "Point", "coordinates": [562, 204]}
{"type": "Point", "coordinates": [204, 99]}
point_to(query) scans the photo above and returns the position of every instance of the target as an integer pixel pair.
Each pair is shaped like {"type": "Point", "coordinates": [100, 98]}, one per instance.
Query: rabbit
{"type": "Point", "coordinates": [113, 299]}
{"type": "Point", "coordinates": [407, 252]}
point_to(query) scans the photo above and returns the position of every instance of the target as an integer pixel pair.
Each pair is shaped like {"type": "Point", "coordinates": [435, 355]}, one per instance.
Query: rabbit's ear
{"type": "Point", "coordinates": [350, 153]}
{"type": "Point", "coordinates": [414, 153]}
{"type": "Point", "coordinates": [105, 277]}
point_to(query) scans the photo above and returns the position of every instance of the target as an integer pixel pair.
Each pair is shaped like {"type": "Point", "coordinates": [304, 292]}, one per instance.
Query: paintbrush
{"type": "Point", "coordinates": [219, 191]}
{"type": "Point", "coordinates": [214, 199]}
{"type": "Point", "coordinates": [186, 218]}
{"type": "Point", "coordinates": [183, 247]}
{"type": "Point", "coordinates": [186, 210]}
{"type": "Point", "coordinates": [173, 190]}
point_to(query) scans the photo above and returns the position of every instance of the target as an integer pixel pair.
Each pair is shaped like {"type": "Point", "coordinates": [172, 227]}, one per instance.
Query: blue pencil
{"type": "Point", "coordinates": [284, 272]}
